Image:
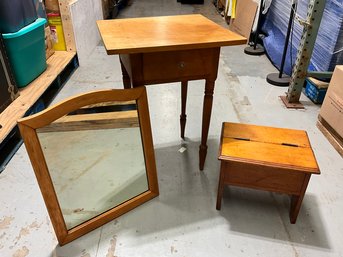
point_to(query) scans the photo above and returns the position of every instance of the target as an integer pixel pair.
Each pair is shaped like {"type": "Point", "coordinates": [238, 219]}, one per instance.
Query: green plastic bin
{"type": "Point", "coordinates": [26, 52]}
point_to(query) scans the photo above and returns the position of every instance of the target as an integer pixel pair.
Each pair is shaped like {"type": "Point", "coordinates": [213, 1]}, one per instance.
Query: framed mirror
{"type": "Point", "coordinates": [93, 158]}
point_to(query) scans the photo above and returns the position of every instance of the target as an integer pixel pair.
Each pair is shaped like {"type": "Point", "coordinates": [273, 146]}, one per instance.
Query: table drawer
{"type": "Point", "coordinates": [174, 66]}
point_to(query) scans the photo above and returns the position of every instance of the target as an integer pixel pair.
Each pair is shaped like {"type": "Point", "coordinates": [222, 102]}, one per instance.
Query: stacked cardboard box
{"type": "Point", "coordinates": [331, 113]}
{"type": "Point", "coordinates": [52, 6]}
{"type": "Point", "coordinates": [316, 90]}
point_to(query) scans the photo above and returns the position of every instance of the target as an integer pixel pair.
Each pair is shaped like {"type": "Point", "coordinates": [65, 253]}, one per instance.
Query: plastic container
{"type": "Point", "coordinates": [316, 94]}
{"type": "Point", "coordinates": [26, 52]}
{"type": "Point", "coordinates": [56, 29]}
{"type": "Point", "coordinates": [16, 14]}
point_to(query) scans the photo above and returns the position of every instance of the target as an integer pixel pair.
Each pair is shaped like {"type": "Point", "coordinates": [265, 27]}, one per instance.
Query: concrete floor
{"type": "Point", "coordinates": [183, 220]}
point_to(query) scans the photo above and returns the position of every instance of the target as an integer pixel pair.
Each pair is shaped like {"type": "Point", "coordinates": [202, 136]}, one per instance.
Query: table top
{"type": "Point", "coordinates": [276, 147]}
{"type": "Point", "coordinates": [165, 33]}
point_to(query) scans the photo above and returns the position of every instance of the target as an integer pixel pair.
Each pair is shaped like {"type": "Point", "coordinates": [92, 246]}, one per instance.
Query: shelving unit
{"type": "Point", "coordinates": [59, 66]}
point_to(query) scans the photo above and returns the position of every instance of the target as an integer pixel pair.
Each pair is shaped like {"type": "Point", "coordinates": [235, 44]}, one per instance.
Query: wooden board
{"type": "Point", "coordinates": [266, 134]}
{"type": "Point", "coordinates": [31, 93]}
{"type": "Point", "coordinates": [263, 178]}
{"type": "Point", "coordinates": [167, 33]}
{"type": "Point", "coordinates": [266, 153]}
{"type": "Point", "coordinates": [245, 16]}
{"type": "Point", "coordinates": [67, 23]}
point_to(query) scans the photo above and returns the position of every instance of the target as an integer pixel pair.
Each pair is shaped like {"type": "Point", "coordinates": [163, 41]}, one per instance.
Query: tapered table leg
{"type": "Point", "coordinates": [183, 116]}
{"type": "Point", "coordinates": [126, 77]}
{"type": "Point", "coordinates": [206, 117]}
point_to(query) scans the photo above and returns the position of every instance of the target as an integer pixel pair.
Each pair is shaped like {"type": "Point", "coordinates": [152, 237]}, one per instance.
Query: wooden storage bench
{"type": "Point", "coordinates": [266, 158]}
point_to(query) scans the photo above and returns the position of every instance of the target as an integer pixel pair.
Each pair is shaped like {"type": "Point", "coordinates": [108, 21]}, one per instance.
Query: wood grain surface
{"type": "Point", "coordinates": [266, 158]}
{"type": "Point", "coordinates": [165, 33]}
{"type": "Point", "coordinates": [266, 134]}
{"type": "Point", "coordinates": [277, 147]}
{"type": "Point", "coordinates": [32, 92]}
{"type": "Point", "coordinates": [28, 127]}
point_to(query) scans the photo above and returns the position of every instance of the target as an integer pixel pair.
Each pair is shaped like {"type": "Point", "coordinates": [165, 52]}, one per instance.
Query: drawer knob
{"type": "Point", "coordinates": [182, 65]}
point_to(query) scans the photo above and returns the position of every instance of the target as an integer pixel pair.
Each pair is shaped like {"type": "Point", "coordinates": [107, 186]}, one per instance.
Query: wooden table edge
{"type": "Point", "coordinates": [154, 49]}
{"type": "Point", "coordinates": [272, 165]}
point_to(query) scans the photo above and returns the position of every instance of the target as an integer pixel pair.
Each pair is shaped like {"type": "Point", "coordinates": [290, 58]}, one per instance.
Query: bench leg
{"type": "Point", "coordinates": [296, 200]}
{"type": "Point", "coordinates": [220, 187]}
{"type": "Point", "coordinates": [206, 117]}
{"type": "Point", "coordinates": [183, 116]}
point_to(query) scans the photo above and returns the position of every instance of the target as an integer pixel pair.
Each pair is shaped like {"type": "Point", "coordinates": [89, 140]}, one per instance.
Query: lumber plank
{"type": "Point", "coordinates": [68, 29]}
{"type": "Point", "coordinates": [31, 93]}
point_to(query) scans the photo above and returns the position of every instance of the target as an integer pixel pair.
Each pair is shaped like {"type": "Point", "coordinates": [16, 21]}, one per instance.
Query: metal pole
{"type": "Point", "coordinates": [310, 31]}
{"type": "Point", "coordinates": [280, 79]}
{"type": "Point", "coordinates": [287, 40]}
{"type": "Point", "coordinates": [258, 24]}
{"type": "Point", "coordinates": [256, 49]}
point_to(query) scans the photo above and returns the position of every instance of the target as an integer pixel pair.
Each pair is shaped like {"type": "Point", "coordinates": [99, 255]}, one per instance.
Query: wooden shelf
{"type": "Point", "coordinates": [31, 93]}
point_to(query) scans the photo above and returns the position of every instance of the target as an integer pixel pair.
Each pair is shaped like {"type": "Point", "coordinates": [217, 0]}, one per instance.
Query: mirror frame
{"type": "Point", "coordinates": [28, 127]}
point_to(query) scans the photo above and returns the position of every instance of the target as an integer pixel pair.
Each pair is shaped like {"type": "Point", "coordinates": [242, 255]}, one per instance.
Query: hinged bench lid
{"type": "Point", "coordinates": [277, 147]}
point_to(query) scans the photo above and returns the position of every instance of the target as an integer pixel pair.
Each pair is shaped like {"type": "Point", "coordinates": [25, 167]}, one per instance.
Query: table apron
{"type": "Point", "coordinates": [172, 66]}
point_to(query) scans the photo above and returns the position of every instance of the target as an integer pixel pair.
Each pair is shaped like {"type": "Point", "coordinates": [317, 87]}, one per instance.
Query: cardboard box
{"type": "Point", "coordinates": [332, 108]}
{"type": "Point", "coordinates": [245, 16]}
{"type": "Point", "coordinates": [52, 6]}
{"type": "Point", "coordinates": [49, 48]}
{"type": "Point", "coordinates": [316, 90]}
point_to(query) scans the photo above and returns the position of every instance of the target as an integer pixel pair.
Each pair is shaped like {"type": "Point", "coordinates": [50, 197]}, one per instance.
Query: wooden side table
{"type": "Point", "coordinates": [168, 49]}
{"type": "Point", "coordinates": [266, 158]}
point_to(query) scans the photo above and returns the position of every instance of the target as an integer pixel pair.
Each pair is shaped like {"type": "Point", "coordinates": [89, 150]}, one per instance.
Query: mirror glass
{"type": "Point", "coordinates": [95, 159]}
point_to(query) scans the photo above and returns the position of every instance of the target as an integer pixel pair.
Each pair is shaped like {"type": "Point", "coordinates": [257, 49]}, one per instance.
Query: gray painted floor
{"type": "Point", "coordinates": [183, 220]}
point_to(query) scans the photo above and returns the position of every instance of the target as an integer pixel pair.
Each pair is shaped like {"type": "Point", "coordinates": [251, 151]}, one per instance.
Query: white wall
{"type": "Point", "coordinates": [84, 14]}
